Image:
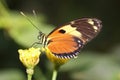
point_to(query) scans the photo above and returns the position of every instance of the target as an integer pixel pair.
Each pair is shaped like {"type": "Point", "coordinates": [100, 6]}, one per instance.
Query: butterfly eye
{"type": "Point", "coordinates": [38, 37]}
{"type": "Point", "coordinates": [62, 31]}
{"type": "Point", "coordinates": [42, 38]}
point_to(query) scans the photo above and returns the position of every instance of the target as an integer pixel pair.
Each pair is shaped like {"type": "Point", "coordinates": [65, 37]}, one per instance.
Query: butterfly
{"type": "Point", "coordinates": [67, 41]}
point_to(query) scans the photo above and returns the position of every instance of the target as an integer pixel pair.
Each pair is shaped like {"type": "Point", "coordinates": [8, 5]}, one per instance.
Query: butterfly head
{"type": "Point", "coordinates": [42, 38]}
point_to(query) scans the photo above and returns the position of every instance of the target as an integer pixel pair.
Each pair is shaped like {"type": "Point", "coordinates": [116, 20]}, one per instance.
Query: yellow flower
{"type": "Point", "coordinates": [29, 57]}
{"type": "Point", "coordinates": [55, 60]}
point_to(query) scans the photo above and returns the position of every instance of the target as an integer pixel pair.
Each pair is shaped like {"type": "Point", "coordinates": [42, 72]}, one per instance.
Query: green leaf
{"type": "Point", "coordinates": [11, 74]}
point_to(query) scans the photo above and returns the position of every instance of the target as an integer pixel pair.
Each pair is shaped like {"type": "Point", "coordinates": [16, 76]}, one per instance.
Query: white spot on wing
{"type": "Point", "coordinates": [72, 22]}
{"type": "Point", "coordinates": [90, 21]}
{"type": "Point", "coordinates": [95, 28]}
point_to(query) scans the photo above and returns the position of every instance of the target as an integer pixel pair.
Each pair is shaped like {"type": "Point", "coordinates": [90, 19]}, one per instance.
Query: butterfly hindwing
{"type": "Point", "coordinates": [66, 41]}
{"type": "Point", "coordinates": [65, 46]}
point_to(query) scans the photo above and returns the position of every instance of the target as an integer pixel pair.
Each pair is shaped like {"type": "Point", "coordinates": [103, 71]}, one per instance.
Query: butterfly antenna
{"type": "Point", "coordinates": [35, 14]}
{"type": "Point", "coordinates": [30, 20]}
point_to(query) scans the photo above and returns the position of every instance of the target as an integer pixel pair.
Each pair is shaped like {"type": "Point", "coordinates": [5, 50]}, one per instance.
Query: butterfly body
{"type": "Point", "coordinates": [66, 41]}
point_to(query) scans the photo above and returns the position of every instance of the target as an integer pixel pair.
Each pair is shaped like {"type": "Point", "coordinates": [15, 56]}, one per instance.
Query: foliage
{"type": "Point", "coordinates": [88, 66]}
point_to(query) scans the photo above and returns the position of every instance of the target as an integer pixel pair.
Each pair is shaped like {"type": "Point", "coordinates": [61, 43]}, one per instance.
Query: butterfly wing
{"type": "Point", "coordinates": [65, 46]}
{"type": "Point", "coordinates": [66, 41]}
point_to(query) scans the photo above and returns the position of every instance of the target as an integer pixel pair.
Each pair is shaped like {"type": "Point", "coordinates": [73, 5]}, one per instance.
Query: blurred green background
{"type": "Point", "coordinates": [99, 60]}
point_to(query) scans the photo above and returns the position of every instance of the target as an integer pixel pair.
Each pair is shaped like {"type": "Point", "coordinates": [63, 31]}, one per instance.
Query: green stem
{"type": "Point", "coordinates": [54, 76]}
{"type": "Point", "coordinates": [30, 72]}
{"type": "Point", "coordinates": [29, 77]}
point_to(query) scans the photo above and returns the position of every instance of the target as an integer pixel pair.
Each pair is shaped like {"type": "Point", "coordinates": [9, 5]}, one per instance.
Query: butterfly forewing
{"type": "Point", "coordinates": [66, 41]}
{"type": "Point", "coordinates": [88, 27]}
